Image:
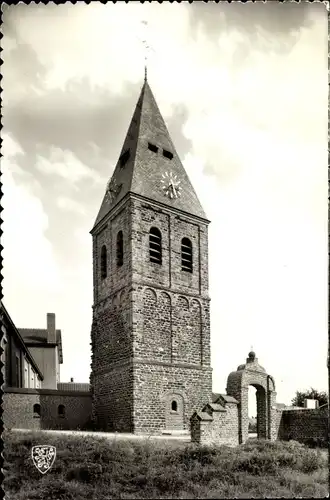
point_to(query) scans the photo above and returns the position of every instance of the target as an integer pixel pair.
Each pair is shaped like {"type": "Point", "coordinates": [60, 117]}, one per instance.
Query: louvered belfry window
{"type": "Point", "coordinates": [155, 245]}
{"type": "Point", "coordinates": [186, 255]}
{"type": "Point", "coordinates": [120, 249]}
{"type": "Point", "coordinates": [103, 262]}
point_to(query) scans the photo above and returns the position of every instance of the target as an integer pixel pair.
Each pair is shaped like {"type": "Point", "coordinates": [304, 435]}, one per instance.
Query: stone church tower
{"type": "Point", "coordinates": [151, 318]}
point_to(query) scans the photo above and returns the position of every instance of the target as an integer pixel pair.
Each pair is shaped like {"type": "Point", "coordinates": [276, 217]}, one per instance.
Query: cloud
{"type": "Point", "coordinates": [29, 262]}
{"type": "Point", "coordinates": [243, 88]}
{"type": "Point", "coordinates": [70, 205]}
{"type": "Point", "coordinates": [65, 165]}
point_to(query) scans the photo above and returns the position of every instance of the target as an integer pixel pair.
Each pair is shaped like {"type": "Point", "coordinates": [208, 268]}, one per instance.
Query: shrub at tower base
{"type": "Point", "coordinates": [89, 467]}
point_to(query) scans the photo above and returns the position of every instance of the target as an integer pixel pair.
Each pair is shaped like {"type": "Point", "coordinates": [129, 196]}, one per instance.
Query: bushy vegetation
{"type": "Point", "coordinates": [89, 467]}
{"type": "Point", "coordinates": [311, 393]}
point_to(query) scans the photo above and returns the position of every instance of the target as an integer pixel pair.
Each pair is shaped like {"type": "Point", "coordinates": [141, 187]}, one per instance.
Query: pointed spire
{"type": "Point", "coordinates": [149, 165]}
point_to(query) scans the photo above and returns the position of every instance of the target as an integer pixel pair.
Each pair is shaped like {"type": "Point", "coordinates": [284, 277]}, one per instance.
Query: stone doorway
{"type": "Point", "coordinates": [174, 412]}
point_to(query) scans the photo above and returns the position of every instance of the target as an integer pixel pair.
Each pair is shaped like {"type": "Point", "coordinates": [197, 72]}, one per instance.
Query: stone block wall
{"type": "Point", "coordinates": [18, 407]}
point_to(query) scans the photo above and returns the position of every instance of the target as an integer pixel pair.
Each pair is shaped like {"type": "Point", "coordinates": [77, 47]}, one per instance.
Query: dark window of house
{"type": "Point", "coordinates": [167, 154]}
{"type": "Point", "coordinates": [120, 249]}
{"type": "Point", "coordinates": [186, 255]}
{"type": "Point", "coordinates": [18, 374]}
{"type": "Point", "coordinates": [103, 262]}
{"type": "Point", "coordinates": [36, 411]}
{"type": "Point", "coordinates": [152, 147]}
{"type": "Point", "coordinates": [124, 158]}
{"type": "Point", "coordinates": [61, 411]}
{"type": "Point", "coordinates": [174, 406]}
{"type": "Point", "coordinates": [155, 245]}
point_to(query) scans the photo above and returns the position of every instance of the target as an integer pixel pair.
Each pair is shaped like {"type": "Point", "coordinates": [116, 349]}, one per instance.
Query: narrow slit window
{"type": "Point", "coordinates": [120, 249]}
{"type": "Point", "coordinates": [155, 245]}
{"type": "Point", "coordinates": [104, 270]}
{"type": "Point", "coordinates": [61, 411]}
{"type": "Point", "coordinates": [36, 411]}
{"type": "Point", "coordinates": [167, 154]}
{"type": "Point", "coordinates": [174, 406]}
{"type": "Point", "coordinates": [152, 147]}
{"type": "Point", "coordinates": [186, 255]}
{"type": "Point", "coordinates": [124, 158]}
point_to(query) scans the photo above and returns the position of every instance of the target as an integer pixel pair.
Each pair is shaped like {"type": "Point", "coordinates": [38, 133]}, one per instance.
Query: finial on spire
{"type": "Point", "coordinates": [147, 48]}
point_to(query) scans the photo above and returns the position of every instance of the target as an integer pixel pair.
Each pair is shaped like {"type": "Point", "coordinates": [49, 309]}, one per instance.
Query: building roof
{"type": "Point", "coordinates": [225, 397]}
{"type": "Point", "coordinates": [5, 318]}
{"type": "Point", "coordinates": [215, 407]}
{"type": "Point", "coordinates": [215, 396]}
{"type": "Point", "coordinates": [201, 415]}
{"type": "Point", "coordinates": [73, 386]}
{"type": "Point", "coordinates": [143, 171]}
{"type": "Point", "coordinates": [34, 337]}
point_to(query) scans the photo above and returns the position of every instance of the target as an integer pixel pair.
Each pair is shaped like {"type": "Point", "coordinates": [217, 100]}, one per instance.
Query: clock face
{"type": "Point", "coordinates": [112, 190]}
{"type": "Point", "coordinates": [171, 185]}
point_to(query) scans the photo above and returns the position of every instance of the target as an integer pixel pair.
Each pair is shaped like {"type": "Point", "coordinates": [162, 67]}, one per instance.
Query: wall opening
{"type": "Point", "coordinates": [257, 412]}
{"type": "Point", "coordinates": [174, 406]}
{"type": "Point", "coordinates": [36, 411]}
{"type": "Point", "coordinates": [61, 411]}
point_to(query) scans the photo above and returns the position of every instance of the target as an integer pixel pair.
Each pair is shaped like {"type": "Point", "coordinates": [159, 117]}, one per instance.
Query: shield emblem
{"type": "Point", "coordinates": [43, 457]}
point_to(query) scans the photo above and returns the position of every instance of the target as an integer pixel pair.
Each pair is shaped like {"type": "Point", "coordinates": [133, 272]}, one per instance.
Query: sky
{"type": "Point", "coordinates": [243, 90]}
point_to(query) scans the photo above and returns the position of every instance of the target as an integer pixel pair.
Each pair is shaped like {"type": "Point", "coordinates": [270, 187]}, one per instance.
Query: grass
{"type": "Point", "coordinates": [96, 468]}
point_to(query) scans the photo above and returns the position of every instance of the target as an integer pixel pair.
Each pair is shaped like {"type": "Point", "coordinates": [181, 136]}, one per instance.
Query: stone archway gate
{"type": "Point", "coordinates": [251, 373]}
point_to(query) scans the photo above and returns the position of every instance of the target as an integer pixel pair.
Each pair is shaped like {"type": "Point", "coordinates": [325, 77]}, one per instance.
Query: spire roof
{"type": "Point", "coordinates": [147, 163]}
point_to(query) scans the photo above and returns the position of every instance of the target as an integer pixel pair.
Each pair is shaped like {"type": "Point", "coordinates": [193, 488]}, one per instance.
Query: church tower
{"type": "Point", "coordinates": [151, 317]}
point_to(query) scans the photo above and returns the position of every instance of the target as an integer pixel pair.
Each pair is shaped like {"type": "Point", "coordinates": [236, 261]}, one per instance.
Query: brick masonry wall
{"type": "Point", "coordinates": [238, 386]}
{"type": "Point", "coordinates": [113, 398]}
{"type": "Point", "coordinates": [117, 277]}
{"type": "Point", "coordinates": [304, 424]}
{"type": "Point", "coordinates": [156, 385]}
{"type": "Point", "coordinates": [173, 228]}
{"type": "Point", "coordinates": [149, 313]}
{"type": "Point", "coordinates": [170, 327]}
{"type": "Point", "coordinates": [222, 430]}
{"type": "Point", "coordinates": [18, 409]}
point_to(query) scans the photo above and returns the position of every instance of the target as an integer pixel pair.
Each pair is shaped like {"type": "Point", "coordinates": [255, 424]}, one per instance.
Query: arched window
{"type": "Point", "coordinates": [174, 406]}
{"type": "Point", "coordinates": [61, 411]}
{"type": "Point", "coordinates": [36, 411]}
{"type": "Point", "coordinates": [186, 255]}
{"type": "Point", "coordinates": [120, 249]}
{"type": "Point", "coordinates": [155, 245]}
{"type": "Point", "coordinates": [104, 269]}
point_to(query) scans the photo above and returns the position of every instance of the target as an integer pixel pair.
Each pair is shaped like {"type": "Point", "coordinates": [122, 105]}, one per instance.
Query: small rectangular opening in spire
{"type": "Point", "coordinates": [124, 158]}
{"type": "Point", "coordinates": [152, 147]}
{"type": "Point", "coordinates": [167, 154]}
